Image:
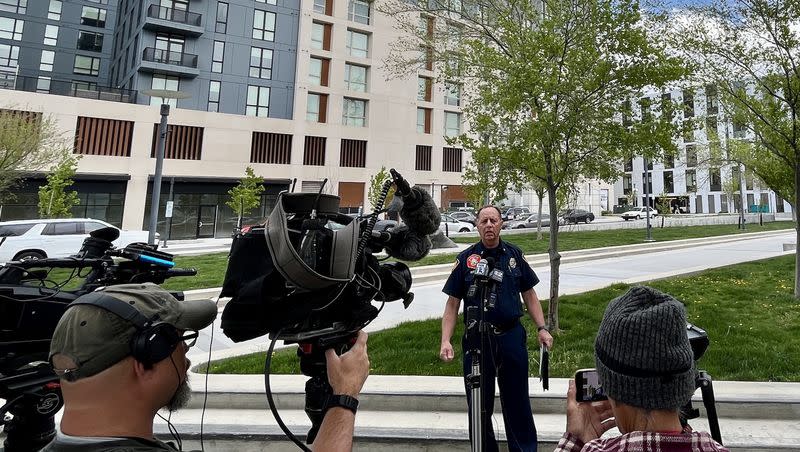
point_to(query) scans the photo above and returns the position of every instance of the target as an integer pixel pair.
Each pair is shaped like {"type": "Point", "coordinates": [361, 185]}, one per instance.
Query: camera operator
{"type": "Point", "coordinates": [506, 354]}
{"type": "Point", "coordinates": [120, 353]}
{"type": "Point", "coordinates": [646, 367]}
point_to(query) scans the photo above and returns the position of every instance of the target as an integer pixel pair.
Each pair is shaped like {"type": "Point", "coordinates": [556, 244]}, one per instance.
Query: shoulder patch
{"type": "Point", "coordinates": [472, 261]}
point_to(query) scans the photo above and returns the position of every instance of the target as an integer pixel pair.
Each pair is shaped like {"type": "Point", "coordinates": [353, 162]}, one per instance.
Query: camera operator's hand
{"type": "Point", "coordinates": [588, 420]}
{"type": "Point", "coordinates": [446, 352]}
{"type": "Point", "coordinates": [347, 373]}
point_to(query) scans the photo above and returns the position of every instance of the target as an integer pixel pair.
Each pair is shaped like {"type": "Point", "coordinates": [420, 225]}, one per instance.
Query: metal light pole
{"type": "Point", "coordinates": [160, 144]}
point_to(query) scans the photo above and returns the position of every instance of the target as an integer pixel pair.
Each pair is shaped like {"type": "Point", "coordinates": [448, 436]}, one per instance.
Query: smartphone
{"type": "Point", "coordinates": [587, 383]}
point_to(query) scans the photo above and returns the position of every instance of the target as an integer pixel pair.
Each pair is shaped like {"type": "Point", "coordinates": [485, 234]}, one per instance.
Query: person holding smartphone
{"type": "Point", "coordinates": [645, 366]}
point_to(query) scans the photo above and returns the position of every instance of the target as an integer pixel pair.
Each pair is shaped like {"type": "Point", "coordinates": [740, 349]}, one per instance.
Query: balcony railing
{"type": "Point", "coordinates": [168, 57]}
{"type": "Point", "coordinates": [66, 88]}
{"type": "Point", "coordinates": [174, 15]}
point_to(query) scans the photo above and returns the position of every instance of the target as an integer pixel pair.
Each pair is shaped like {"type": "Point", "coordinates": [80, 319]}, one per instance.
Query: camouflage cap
{"type": "Point", "coordinates": [89, 339]}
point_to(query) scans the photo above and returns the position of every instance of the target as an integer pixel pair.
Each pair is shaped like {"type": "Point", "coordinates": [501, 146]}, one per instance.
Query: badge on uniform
{"type": "Point", "coordinates": [512, 263]}
{"type": "Point", "coordinates": [472, 261]}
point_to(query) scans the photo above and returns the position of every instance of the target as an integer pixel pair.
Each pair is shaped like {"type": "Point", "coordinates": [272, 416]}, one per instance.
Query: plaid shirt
{"type": "Point", "coordinates": [642, 442]}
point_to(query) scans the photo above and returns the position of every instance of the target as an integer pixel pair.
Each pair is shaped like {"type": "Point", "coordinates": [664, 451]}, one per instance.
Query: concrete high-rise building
{"type": "Point", "coordinates": [293, 88]}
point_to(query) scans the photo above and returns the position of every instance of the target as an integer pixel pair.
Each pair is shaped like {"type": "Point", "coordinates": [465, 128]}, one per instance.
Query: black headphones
{"type": "Point", "coordinates": [153, 341]}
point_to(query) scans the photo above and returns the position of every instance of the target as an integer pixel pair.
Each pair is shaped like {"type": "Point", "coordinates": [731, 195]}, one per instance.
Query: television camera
{"type": "Point", "coordinates": [308, 275]}
{"type": "Point", "coordinates": [31, 304]}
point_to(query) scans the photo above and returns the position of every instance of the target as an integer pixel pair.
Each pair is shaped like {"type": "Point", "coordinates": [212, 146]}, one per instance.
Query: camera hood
{"type": "Point", "coordinates": [343, 248]}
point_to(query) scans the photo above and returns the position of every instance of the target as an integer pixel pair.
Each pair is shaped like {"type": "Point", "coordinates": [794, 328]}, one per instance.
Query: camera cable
{"type": "Point", "coordinates": [268, 390]}
{"type": "Point", "coordinates": [205, 389]}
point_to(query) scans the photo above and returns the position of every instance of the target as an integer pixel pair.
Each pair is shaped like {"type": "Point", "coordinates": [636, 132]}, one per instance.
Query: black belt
{"type": "Point", "coordinates": [500, 328]}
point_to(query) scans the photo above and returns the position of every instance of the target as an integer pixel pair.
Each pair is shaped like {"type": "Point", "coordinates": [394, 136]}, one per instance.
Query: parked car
{"type": "Point", "coordinates": [513, 213]}
{"type": "Point", "coordinates": [575, 216]}
{"type": "Point", "coordinates": [531, 221]}
{"type": "Point", "coordinates": [38, 239]}
{"type": "Point", "coordinates": [464, 216]}
{"type": "Point", "coordinates": [639, 212]}
{"type": "Point", "coordinates": [450, 224]}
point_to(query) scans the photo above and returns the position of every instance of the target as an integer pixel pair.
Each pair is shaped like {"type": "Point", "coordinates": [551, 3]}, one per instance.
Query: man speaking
{"type": "Point", "coordinates": [505, 354]}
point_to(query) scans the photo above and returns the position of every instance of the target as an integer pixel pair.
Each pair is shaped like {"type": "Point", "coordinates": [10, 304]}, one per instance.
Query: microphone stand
{"type": "Point", "coordinates": [476, 328]}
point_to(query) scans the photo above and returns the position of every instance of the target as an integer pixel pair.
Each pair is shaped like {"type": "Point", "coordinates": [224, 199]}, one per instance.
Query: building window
{"type": "Point", "coordinates": [267, 147]}
{"type": "Point", "coordinates": [268, 2]}
{"type": "Point", "coordinates": [688, 103]}
{"type": "Point", "coordinates": [11, 28]}
{"type": "Point", "coordinates": [711, 128]}
{"type": "Point", "coordinates": [217, 57]}
{"type": "Point", "coordinates": [354, 112]}
{"type": "Point", "coordinates": [318, 71]}
{"type": "Point", "coordinates": [93, 17]}
{"type": "Point", "coordinates": [172, 47]}
{"type": "Point", "coordinates": [712, 101]}
{"type": "Point", "coordinates": [358, 11]}
{"type": "Point", "coordinates": [691, 181]}
{"type": "Point", "coordinates": [424, 88]}
{"type": "Point", "coordinates": [43, 85]}
{"type": "Point", "coordinates": [353, 153]}
{"type": "Point", "coordinates": [323, 7]}
{"type": "Point", "coordinates": [222, 18]}
{"type": "Point", "coordinates": [54, 10]}
{"type": "Point", "coordinates": [168, 83]}
{"type": "Point", "coordinates": [423, 158]}
{"type": "Point", "coordinates": [451, 160]}
{"type": "Point", "coordinates": [264, 25]}
{"type": "Point", "coordinates": [355, 78]}
{"type": "Point", "coordinates": [423, 120]}
{"type": "Point", "coordinates": [452, 94]}
{"type": "Point", "coordinates": [213, 95]}
{"type": "Point", "coordinates": [316, 107]}
{"type": "Point", "coordinates": [669, 161]}
{"type": "Point", "coordinates": [691, 156]}
{"type": "Point", "coordinates": [93, 42]}
{"type": "Point", "coordinates": [86, 65]}
{"type": "Point", "coordinates": [320, 36]}
{"type": "Point", "coordinates": [46, 64]}
{"type": "Point", "coordinates": [715, 179]}
{"type": "Point", "coordinates": [627, 182]}
{"type": "Point", "coordinates": [314, 151]}
{"type": "Point", "coordinates": [14, 6]}
{"type": "Point", "coordinates": [51, 35]}
{"type": "Point", "coordinates": [357, 44]}
{"type": "Point", "coordinates": [669, 184]}
{"type": "Point", "coordinates": [452, 124]}
{"type": "Point", "coordinates": [257, 101]}
{"type": "Point", "coordinates": [260, 63]}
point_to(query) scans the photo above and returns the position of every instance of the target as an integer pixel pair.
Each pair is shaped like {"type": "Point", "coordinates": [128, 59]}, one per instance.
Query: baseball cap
{"type": "Point", "coordinates": [89, 339]}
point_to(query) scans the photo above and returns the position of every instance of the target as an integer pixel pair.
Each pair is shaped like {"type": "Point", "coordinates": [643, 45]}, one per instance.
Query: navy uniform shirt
{"type": "Point", "coordinates": [517, 278]}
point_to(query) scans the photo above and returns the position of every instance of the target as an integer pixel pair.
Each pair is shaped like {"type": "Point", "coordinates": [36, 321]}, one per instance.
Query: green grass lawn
{"type": "Point", "coordinates": [748, 310]}
{"type": "Point", "coordinates": [211, 267]}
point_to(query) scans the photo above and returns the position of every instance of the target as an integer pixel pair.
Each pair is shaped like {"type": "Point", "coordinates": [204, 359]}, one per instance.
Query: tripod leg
{"type": "Point", "coordinates": [317, 391]}
{"type": "Point", "coordinates": [707, 390]}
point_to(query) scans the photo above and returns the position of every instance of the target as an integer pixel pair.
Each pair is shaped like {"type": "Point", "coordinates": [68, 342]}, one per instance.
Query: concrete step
{"type": "Point", "coordinates": [431, 430]}
{"type": "Point", "coordinates": [735, 400]}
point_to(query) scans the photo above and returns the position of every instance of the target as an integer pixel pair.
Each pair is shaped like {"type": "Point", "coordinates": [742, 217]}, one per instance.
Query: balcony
{"type": "Point", "coordinates": [163, 19]}
{"type": "Point", "coordinates": [66, 88]}
{"type": "Point", "coordinates": [172, 63]}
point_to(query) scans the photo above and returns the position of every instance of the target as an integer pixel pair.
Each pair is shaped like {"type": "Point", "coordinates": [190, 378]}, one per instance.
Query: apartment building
{"type": "Point", "coordinates": [293, 88]}
{"type": "Point", "coordinates": [693, 182]}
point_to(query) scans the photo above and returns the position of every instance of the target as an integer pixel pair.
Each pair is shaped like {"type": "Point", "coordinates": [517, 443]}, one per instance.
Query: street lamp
{"type": "Point", "coordinates": [649, 235]}
{"type": "Point", "coordinates": [162, 136]}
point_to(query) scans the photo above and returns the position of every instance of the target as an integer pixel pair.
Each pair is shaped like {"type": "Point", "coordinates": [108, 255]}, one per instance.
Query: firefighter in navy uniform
{"type": "Point", "coordinates": [505, 355]}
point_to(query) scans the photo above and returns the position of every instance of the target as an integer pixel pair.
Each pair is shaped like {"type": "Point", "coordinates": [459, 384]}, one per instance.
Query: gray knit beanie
{"type": "Point", "coordinates": [642, 353]}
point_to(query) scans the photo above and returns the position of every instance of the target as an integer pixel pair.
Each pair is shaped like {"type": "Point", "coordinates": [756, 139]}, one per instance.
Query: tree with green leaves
{"type": "Point", "coordinates": [56, 200]}
{"type": "Point", "coordinates": [544, 83]}
{"type": "Point", "coordinates": [750, 50]}
{"type": "Point", "coordinates": [28, 142]}
{"type": "Point", "coordinates": [663, 206]}
{"type": "Point", "coordinates": [246, 196]}
{"type": "Point", "coordinates": [376, 186]}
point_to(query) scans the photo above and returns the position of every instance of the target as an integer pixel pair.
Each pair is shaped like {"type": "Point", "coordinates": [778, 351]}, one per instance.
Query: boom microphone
{"type": "Point", "coordinates": [419, 211]}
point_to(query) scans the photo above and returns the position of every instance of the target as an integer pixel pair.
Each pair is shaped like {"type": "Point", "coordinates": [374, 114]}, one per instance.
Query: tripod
{"type": "Point", "coordinates": [703, 381]}
{"type": "Point", "coordinates": [33, 398]}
